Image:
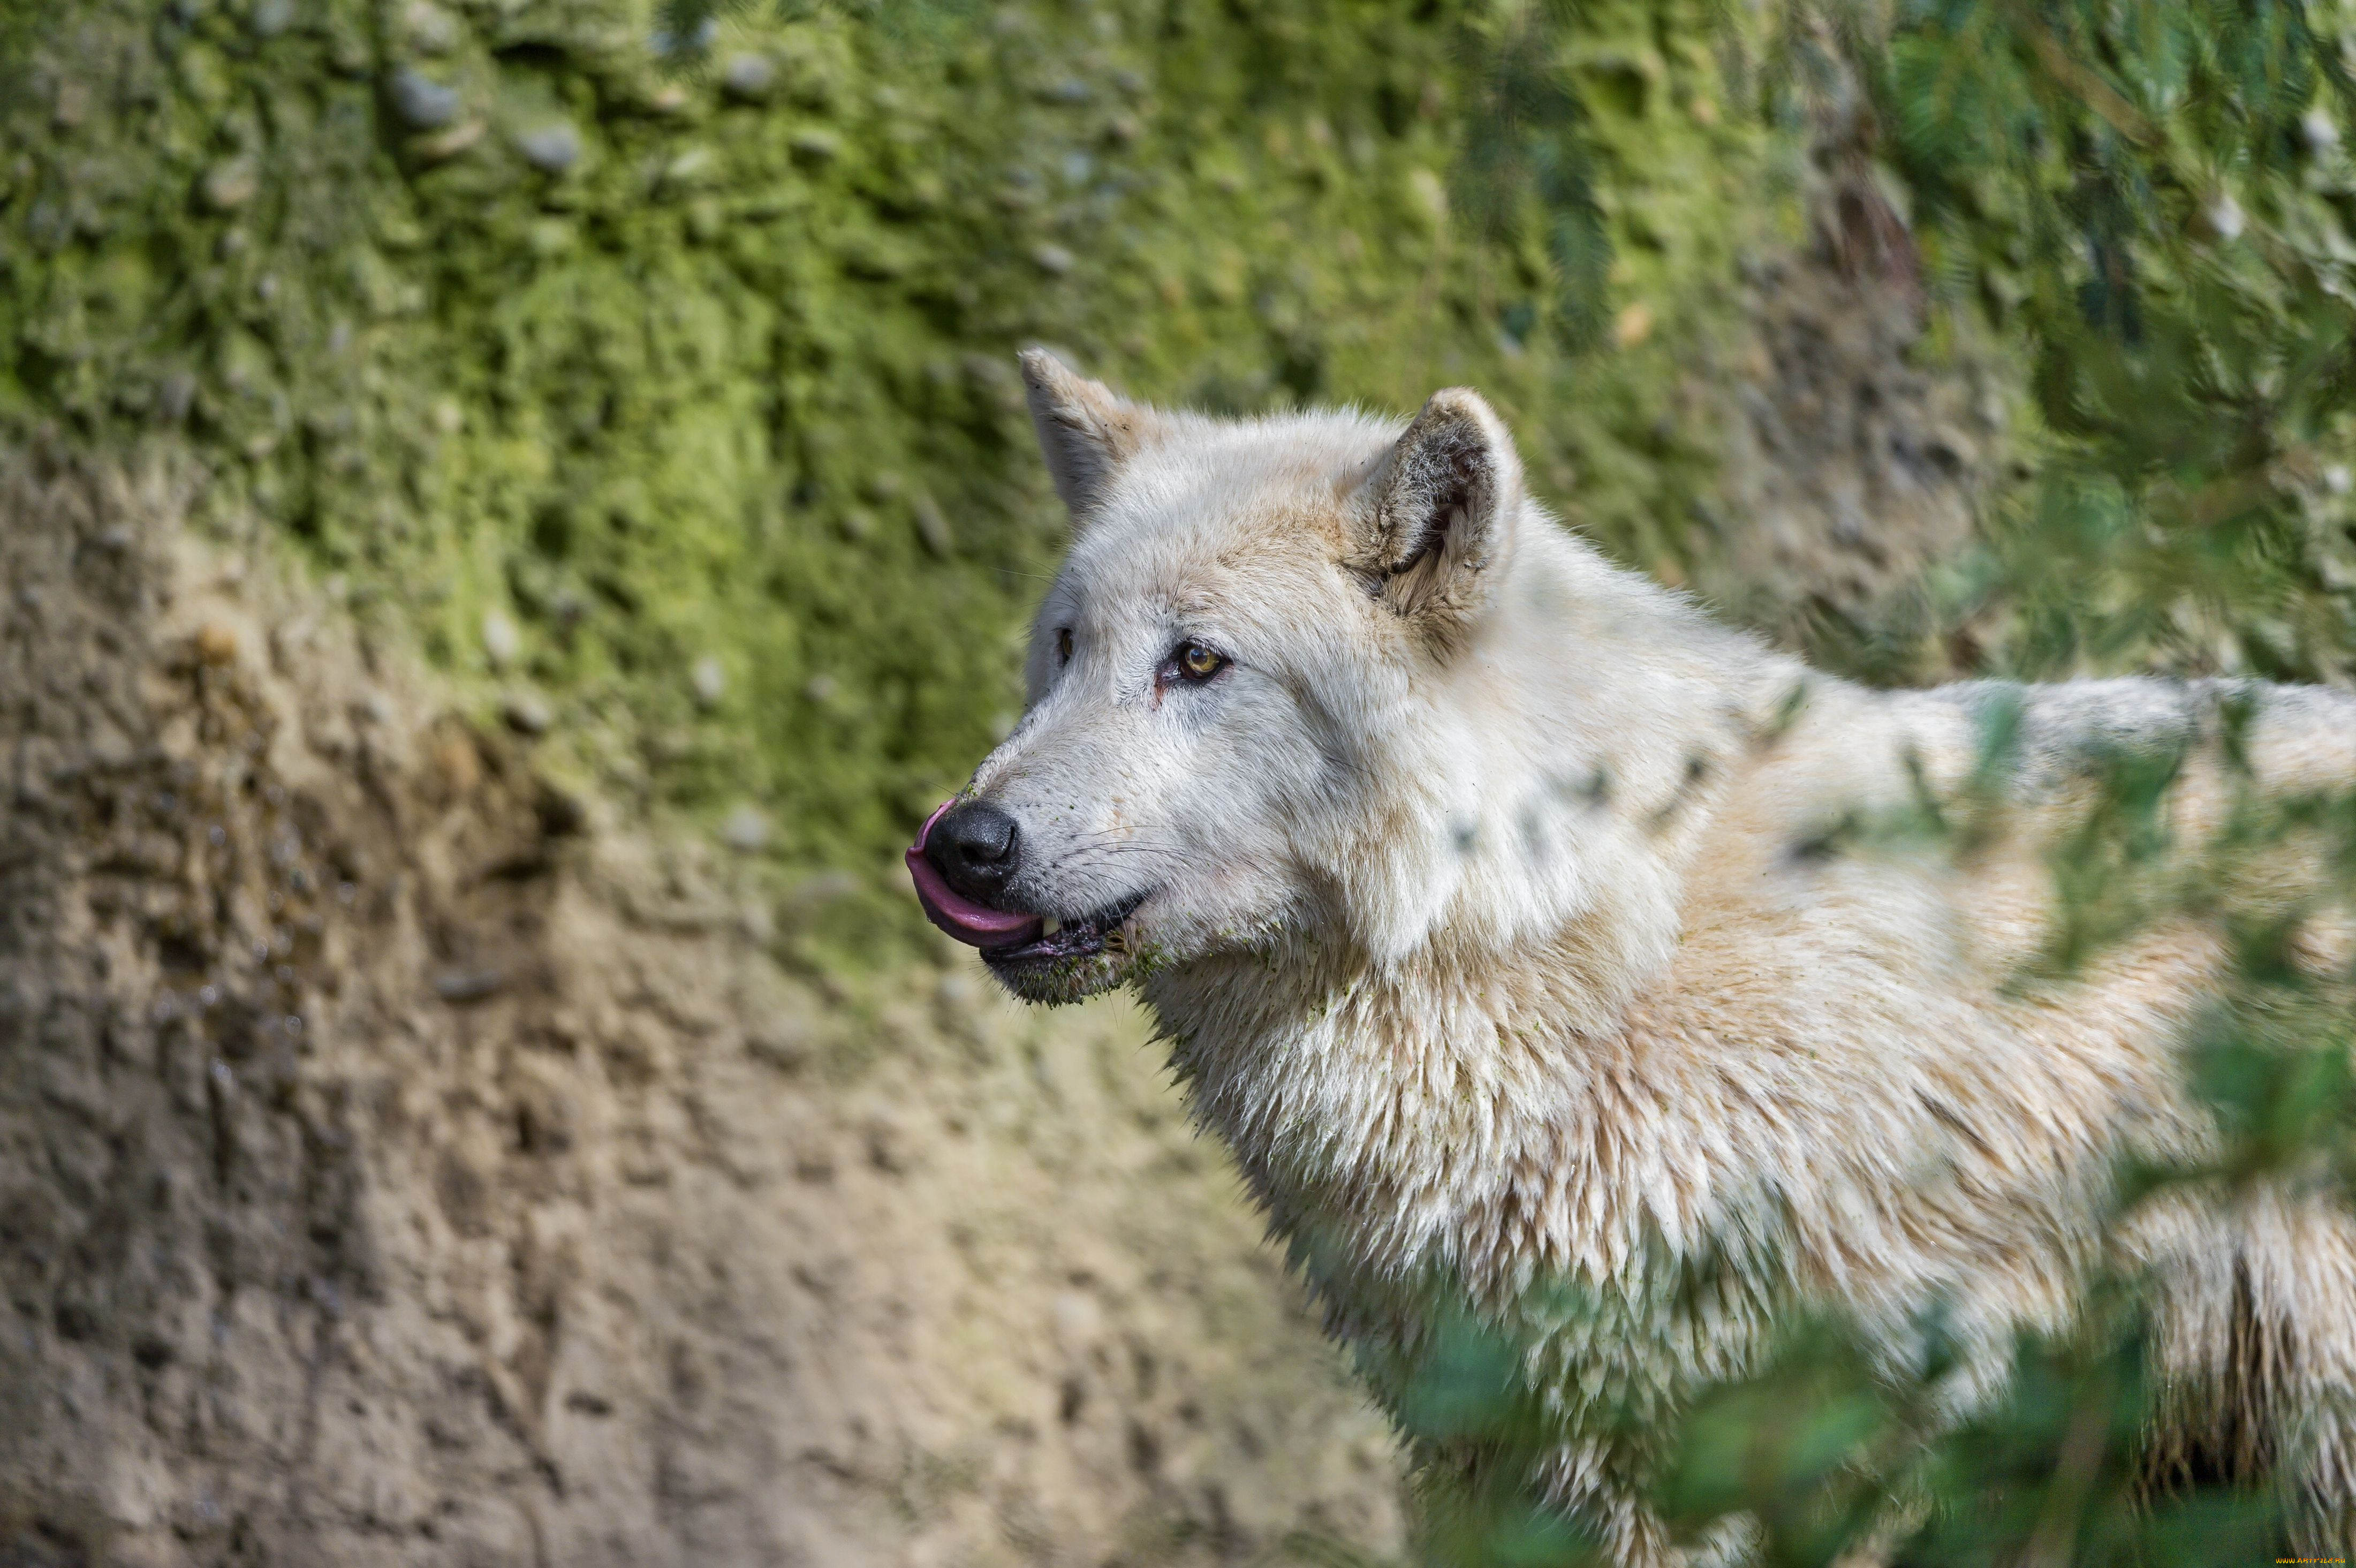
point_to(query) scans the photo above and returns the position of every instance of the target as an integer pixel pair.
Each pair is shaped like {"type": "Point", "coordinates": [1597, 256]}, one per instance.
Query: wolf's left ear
{"type": "Point", "coordinates": [1438, 509]}
{"type": "Point", "coordinates": [1086, 431]}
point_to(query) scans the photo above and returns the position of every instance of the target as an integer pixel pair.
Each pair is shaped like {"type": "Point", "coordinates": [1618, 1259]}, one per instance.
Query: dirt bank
{"type": "Point", "coordinates": [405, 1164]}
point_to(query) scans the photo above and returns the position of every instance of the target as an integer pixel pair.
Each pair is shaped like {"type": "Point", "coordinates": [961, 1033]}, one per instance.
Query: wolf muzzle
{"type": "Point", "coordinates": [962, 859]}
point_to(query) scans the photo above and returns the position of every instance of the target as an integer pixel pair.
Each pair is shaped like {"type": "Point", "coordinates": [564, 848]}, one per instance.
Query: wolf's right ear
{"type": "Point", "coordinates": [1437, 511]}
{"type": "Point", "coordinates": [1087, 430]}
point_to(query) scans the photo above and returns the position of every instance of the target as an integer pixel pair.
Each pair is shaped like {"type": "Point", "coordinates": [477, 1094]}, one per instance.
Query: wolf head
{"type": "Point", "coordinates": [1282, 689]}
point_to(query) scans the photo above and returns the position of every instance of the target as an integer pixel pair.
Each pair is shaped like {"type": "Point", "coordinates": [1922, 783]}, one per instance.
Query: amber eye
{"type": "Point", "coordinates": [1064, 643]}
{"type": "Point", "coordinates": [1196, 662]}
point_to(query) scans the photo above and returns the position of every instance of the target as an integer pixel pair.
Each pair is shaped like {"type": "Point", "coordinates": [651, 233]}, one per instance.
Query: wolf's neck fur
{"type": "Point", "coordinates": [1444, 1099]}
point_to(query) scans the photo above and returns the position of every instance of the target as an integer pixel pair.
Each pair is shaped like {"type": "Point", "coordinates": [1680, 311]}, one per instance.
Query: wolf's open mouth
{"type": "Point", "coordinates": [1011, 937]}
{"type": "Point", "coordinates": [1066, 940]}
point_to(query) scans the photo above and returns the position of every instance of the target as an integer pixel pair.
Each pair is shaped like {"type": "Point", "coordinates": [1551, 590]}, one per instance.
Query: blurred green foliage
{"type": "Point", "coordinates": [2152, 202]}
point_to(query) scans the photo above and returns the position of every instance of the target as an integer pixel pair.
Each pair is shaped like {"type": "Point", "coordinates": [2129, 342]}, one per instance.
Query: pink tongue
{"type": "Point", "coordinates": [976, 925]}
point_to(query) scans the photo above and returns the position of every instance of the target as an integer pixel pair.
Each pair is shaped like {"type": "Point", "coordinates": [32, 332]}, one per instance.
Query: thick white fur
{"type": "Point", "coordinates": [1485, 928]}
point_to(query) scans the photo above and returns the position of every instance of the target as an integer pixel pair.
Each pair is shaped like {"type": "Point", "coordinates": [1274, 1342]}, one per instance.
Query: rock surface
{"type": "Point", "coordinates": [405, 1165]}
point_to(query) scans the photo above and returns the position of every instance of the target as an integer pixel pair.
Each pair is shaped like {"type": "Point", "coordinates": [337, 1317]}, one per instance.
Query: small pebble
{"type": "Point", "coordinates": [464, 985]}
{"type": "Point", "coordinates": [783, 1042]}
{"type": "Point", "coordinates": [216, 643]}
{"type": "Point", "coordinates": [232, 185]}
{"type": "Point", "coordinates": [431, 29]}
{"type": "Point", "coordinates": [527, 715]}
{"type": "Point", "coordinates": [746, 831]}
{"type": "Point", "coordinates": [449, 143]}
{"type": "Point", "coordinates": [552, 149]}
{"type": "Point", "coordinates": [749, 76]}
{"type": "Point", "coordinates": [2225, 217]}
{"type": "Point", "coordinates": [1080, 1323]}
{"type": "Point", "coordinates": [932, 526]}
{"type": "Point", "coordinates": [1053, 259]}
{"type": "Point", "coordinates": [562, 812]}
{"type": "Point", "coordinates": [501, 641]}
{"type": "Point", "coordinates": [422, 103]}
{"type": "Point", "coordinates": [710, 680]}
{"type": "Point", "coordinates": [815, 146]}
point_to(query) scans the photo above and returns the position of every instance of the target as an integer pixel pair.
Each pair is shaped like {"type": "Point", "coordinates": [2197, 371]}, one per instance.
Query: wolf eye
{"type": "Point", "coordinates": [1064, 643]}
{"type": "Point", "coordinates": [1197, 663]}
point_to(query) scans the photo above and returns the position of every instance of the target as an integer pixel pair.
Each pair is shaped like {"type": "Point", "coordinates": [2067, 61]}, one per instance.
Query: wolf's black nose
{"type": "Point", "coordinates": [973, 849]}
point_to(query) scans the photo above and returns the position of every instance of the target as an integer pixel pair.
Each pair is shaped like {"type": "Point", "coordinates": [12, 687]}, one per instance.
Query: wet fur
{"type": "Point", "coordinates": [1502, 924]}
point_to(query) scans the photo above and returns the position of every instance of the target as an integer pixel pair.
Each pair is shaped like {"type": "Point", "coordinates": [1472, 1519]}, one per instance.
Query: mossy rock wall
{"type": "Point", "coordinates": [665, 387]}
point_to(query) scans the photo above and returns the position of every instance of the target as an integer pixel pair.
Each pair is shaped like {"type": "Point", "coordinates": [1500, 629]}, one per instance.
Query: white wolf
{"type": "Point", "coordinates": [1489, 896]}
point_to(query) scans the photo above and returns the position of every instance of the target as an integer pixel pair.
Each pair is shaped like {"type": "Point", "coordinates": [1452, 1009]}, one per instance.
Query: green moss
{"type": "Point", "coordinates": [497, 316]}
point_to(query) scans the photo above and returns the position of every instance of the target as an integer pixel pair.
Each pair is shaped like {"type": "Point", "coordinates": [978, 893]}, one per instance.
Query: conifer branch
{"type": "Point", "coordinates": [2075, 77]}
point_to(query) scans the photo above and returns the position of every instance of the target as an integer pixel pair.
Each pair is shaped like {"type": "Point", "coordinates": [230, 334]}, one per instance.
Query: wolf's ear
{"type": "Point", "coordinates": [1085, 429]}
{"type": "Point", "coordinates": [1438, 508]}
